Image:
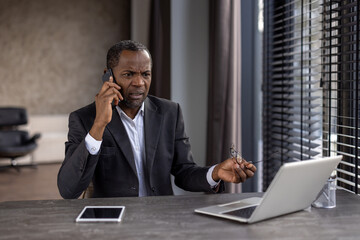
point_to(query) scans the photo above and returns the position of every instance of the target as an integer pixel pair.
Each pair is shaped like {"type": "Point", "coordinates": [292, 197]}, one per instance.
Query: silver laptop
{"type": "Point", "coordinates": [295, 186]}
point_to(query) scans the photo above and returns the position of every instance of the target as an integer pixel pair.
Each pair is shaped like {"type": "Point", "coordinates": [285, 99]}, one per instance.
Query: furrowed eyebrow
{"type": "Point", "coordinates": [134, 72]}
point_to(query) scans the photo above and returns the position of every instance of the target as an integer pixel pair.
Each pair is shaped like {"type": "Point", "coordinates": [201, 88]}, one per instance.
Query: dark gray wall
{"type": "Point", "coordinates": [251, 89]}
{"type": "Point", "coordinates": [52, 53]}
{"type": "Point", "coordinates": [189, 70]}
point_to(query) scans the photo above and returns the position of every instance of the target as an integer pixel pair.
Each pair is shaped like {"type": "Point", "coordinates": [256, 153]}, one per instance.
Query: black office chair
{"type": "Point", "coordinates": [15, 143]}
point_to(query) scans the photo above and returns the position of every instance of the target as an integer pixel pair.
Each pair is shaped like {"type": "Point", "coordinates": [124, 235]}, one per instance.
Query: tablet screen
{"type": "Point", "coordinates": [101, 214]}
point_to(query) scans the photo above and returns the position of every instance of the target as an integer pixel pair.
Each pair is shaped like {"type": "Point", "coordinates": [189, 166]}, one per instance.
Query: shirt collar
{"type": "Point", "coordinates": [141, 111]}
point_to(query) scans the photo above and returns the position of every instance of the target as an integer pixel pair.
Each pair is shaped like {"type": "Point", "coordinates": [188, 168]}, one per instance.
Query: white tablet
{"type": "Point", "coordinates": [101, 214]}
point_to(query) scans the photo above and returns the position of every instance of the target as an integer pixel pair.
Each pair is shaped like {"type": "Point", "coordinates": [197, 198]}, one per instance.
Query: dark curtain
{"type": "Point", "coordinates": [159, 46]}
{"type": "Point", "coordinates": [224, 99]}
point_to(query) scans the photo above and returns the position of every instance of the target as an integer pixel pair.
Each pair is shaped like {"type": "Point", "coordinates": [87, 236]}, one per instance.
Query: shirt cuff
{"type": "Point", "coordinates": [92, 145]}
{"type": "Point", "coordinates": [209, 178]}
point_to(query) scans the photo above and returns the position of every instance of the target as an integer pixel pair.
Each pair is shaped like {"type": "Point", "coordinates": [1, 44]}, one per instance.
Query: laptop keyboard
{"type": "Point", "coordinates": [243, 212]}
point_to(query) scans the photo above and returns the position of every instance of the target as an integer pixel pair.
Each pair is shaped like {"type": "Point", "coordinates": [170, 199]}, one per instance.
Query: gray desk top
{"type": "Point", "coordinates": [173, 217]}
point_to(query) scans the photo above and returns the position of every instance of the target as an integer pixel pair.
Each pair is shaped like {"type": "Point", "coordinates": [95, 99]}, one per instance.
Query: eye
{"type": "Point", "coordinates": [127, 74]}
{"type": "Point", "coordinates": [146, 74]}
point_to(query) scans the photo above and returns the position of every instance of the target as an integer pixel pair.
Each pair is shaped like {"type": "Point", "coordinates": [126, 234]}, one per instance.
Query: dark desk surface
{"type": "Point", "coordinates": [173, 217]}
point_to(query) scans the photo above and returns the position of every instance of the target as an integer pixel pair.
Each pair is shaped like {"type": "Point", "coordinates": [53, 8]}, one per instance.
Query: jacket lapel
{"type": "Point", "coordinates": [153, 122]}
{"type": "Point", "coordinates": [118, 131]}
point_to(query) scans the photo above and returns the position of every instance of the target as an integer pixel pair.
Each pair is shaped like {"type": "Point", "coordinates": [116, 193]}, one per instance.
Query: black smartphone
{"type": "Point", "coordinates": [107, 75]}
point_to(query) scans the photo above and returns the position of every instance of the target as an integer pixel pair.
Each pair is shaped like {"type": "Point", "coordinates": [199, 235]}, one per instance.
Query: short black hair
{"type": "Point", "coordinates": [113, 55]}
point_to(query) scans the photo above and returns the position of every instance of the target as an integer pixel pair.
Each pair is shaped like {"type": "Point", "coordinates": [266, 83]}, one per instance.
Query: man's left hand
{"type": "Point", "coordinates": [232, 171]}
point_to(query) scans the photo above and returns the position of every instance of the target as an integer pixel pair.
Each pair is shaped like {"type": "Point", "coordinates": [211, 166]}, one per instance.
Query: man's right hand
{"type": "Point", "coordinates": [109, 92]}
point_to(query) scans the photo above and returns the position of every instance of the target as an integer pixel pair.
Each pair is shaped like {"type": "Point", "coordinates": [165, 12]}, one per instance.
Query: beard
{"type": "Point", "coordinates": [133, 104]}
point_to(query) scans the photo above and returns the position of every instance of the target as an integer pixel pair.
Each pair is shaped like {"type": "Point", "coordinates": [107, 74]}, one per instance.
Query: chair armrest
{"type": "Point", "coordinates": [34, 138]}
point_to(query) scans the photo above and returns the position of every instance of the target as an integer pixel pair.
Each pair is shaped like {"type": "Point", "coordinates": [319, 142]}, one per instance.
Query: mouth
{"type": "Point", "coordinates": [136, 96]}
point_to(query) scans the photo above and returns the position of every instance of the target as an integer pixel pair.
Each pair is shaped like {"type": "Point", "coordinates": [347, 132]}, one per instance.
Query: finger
{"type": "Point", "coordinates": [118, 95]}
{"type": "Point", "coordinates": [251, 167]}
{"type": "Point", "coordinates": [241, 174]}
{"type": "Point", "coordinates": [240, 166]}
{"type": "Point", "coordinates": [112, 85]}
{"type": "Point", "coordinates": [110, 91]}
{"type": "Point", "coordinates": [116, 101]}
{"type": "Point", "coordinates": [112, 97]}
{"type": "Point", "coordinates": [108, 85]}
{"type": "Point", "coordinates": [104, 87]}
{"type": "Point", "coordinates": [238, 162]}
{"type": "Point", "coordinates": [249, 173]}
{"type": "Point", "coordinates": [236, 176]}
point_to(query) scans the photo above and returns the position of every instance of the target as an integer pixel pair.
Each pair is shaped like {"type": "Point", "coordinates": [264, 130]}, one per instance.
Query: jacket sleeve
{"type": "Point", "coordinates": [188, 175]}
{"type": "Point", "coordinates": [79, 165]}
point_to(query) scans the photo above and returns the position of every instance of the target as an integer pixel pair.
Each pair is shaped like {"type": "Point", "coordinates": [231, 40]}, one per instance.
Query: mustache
{"type": "Point", "coordinates": [127, 97]}
{"type": "Point", "coordinates": [137, 92]}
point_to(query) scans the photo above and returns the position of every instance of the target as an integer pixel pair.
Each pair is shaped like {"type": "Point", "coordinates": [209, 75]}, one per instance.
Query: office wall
{"type": "Point", "coordinates": [140, 21]}
{"type": "Point", "coordinates": [52, 52]}
{"type": "Point", "coordinates": [251, 45]}
{"type": "Point", "coordinates": [189, 69]}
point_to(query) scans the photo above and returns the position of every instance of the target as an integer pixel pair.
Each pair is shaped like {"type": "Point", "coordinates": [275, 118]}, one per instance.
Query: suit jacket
{"type": "Point", "coordinates": [113, 170]}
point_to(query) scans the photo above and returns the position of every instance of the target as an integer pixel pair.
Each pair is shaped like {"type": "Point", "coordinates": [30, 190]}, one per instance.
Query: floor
{"type": "Point", "coordinates": [29, 183]}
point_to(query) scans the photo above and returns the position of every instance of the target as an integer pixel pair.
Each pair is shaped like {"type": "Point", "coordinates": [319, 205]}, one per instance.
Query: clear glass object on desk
{"type": "Point", "coordinates": [327, 196]}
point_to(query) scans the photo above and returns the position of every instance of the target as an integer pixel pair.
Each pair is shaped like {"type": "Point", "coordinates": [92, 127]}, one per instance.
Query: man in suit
{"type": "Point", "coordinates": [128, 143]}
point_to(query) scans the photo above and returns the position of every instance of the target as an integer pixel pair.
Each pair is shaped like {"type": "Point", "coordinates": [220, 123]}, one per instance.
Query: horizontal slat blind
{"type": "Point", "coordinates": [340, 73]}
{"type": "Point", "coordinates": [292, 98]}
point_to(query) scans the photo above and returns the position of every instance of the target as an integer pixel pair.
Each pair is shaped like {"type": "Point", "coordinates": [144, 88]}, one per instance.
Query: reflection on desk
{"type": "Point", "coordinates": [173, 217]}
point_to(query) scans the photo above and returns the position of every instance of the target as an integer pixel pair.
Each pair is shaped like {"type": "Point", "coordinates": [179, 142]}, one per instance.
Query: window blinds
{"type": "Point", "coordinates": [340, 75]}
{"type": "Point", "coordinates": [292, 98]}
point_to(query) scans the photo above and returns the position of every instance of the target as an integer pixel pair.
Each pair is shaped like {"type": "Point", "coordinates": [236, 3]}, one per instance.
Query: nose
{"type": "Point", "coordinates": [138, 80]}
